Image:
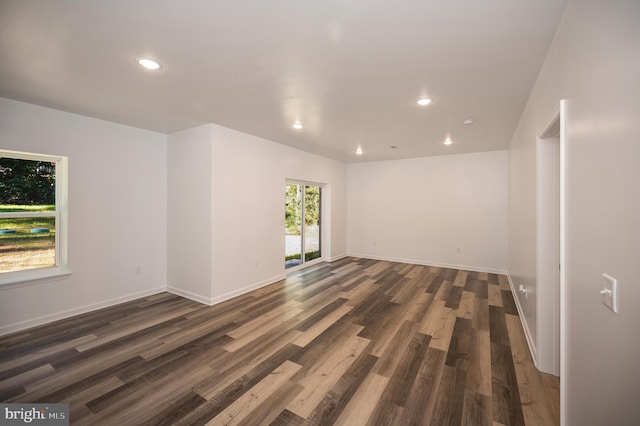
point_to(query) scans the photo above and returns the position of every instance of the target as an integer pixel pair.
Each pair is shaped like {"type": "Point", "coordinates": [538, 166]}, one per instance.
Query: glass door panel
{"type": "Point", "coordinates": [311, 223]}
{"type": "Point", "coordinates": [293, 225]}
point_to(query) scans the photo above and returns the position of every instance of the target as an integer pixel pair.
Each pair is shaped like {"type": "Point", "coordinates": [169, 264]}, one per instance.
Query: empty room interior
{"type": "Point", "coordinates": [320, 212]}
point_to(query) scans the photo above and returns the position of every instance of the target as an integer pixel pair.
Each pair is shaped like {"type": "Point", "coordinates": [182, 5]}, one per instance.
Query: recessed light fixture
{"type": "Point", "coordinates": [359, 151]}
{"type": "Point", "coordinates": [297, 125]}
{"type": "Point", "coordinates": [424, 101]}
{"type": "Point", "coordinates": [468, 121]}
{"type": "Point", "coordinates": [147, 63]}
{"type": "Point", "coordinates": [448, 141]}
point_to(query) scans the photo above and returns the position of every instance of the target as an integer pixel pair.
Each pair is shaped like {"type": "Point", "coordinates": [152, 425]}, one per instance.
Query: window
{"type": "Point", "coordinates": [33, 206]}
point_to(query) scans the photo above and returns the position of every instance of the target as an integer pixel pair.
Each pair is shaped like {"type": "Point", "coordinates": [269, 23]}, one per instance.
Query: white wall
{"type": "Point", "coordinates": [117, 212]}
{"type": "Point", "coordinates": [246, 232]}
{"type": "Point", "coordinates": [421, 210]}
{"type": "Point", "coordinates": [594, 64]}
{"type": "Point", "coordinates": [189, 212]}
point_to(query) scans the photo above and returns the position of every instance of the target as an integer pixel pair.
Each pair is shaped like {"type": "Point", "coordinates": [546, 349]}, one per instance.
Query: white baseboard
{"type": "Point", "coordinates": [336, 258]}
{"type": "Point", "coordinates": [523, 320]}
{"type": "Point", "coordinates": [189, 295]}
{"type": "Point", "coordinates": [34, 322]}
{"type": "Point", "coordinates": [427, 263]}
{"type": "Point", "coordinates": [226, 296]}
{"type": "Point", "coordinates": [247, 289]}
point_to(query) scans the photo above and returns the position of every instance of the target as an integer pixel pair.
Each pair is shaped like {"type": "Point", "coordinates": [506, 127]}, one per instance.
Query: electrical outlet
{"type": "Point", "coordinates": [138, 270]}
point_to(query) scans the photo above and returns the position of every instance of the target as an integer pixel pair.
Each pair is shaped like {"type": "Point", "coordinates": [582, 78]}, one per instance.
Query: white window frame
{"type": "Point", "coordinates": [61, 218]}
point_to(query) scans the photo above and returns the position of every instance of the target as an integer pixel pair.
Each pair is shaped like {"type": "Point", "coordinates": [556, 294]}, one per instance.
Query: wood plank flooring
{"type": "Point", "coordinates": [353, 342]}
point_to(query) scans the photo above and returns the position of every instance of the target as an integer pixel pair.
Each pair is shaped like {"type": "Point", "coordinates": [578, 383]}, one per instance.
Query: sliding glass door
{"type": "Point", "coordinates": [302, 223]}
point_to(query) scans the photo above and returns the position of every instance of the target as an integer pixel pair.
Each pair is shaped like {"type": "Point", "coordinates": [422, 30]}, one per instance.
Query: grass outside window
{"type": "Point", "coordinates": [27, 243]}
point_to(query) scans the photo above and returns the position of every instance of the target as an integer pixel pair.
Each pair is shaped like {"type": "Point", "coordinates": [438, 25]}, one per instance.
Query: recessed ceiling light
{"type": "Point", "coordinates": [359, 151]}
{"type": "Point", "coordinates": [448, 141]}
{"type": "Point", "coordinates": [424, 101]}
{"type": "Point", "coordinates": [468, 121]}
{"type": "Point", "coordinates": [297, 125]}
{"type": "Point", "coordinates": [147, 63]}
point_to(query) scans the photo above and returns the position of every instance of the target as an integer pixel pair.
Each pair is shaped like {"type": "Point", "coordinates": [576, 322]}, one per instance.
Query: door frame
{"type": "Point", "coordinates": [550, 243]}
{"type": "Point", "coordinates": [321, 224]}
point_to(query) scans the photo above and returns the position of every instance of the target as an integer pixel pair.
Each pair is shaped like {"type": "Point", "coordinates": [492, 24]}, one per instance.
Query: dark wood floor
{"type": "Point", "coordinates": [353, 342]}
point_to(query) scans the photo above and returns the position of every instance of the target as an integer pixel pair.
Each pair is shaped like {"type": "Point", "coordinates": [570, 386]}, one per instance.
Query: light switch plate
{"type": "Point", "coordinates": [609, 292]}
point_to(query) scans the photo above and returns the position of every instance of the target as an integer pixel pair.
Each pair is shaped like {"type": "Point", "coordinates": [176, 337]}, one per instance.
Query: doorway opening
{"type": "Point", "coordinates": [550, 244]}
{"type": "Point", "coordinates": [303, 206]}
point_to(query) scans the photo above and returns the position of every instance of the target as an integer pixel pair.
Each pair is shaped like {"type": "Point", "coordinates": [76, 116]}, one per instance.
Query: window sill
{"type": "Point", "coordinates": [21, 279]}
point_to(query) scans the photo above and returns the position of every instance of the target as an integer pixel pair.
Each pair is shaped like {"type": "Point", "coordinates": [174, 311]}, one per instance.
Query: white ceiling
{"type": "Point", "coordinates": [350, 70]}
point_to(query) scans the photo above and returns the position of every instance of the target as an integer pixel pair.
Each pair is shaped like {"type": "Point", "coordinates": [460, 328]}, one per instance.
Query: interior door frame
{"type": "Point", "coordinates": [547, 248]}
{"type": "Point", "coordinates": [555, 132]}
